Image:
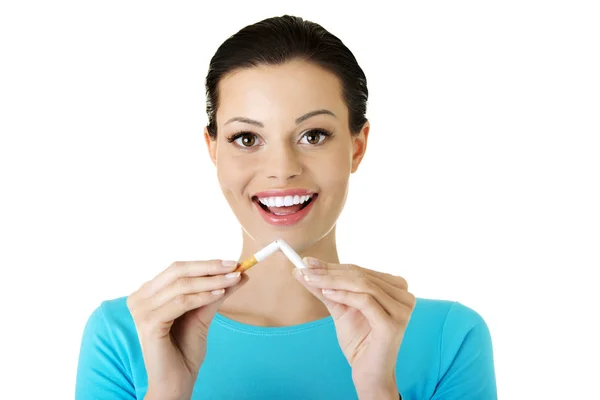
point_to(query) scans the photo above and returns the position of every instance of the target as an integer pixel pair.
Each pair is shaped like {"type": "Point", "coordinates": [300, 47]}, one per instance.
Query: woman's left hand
{"type": "Point", "coordinates": [371, 311]}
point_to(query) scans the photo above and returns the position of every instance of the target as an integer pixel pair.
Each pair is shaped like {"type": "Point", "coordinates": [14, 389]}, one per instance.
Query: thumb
{"type": "Point", "coordinates": [332, 306]}
{"type": "Point", "coordinates": [192, 327]}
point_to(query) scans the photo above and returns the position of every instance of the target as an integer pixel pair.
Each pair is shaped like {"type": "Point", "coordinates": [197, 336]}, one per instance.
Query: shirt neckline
{"type": "Point", "coordinates": [233, 325]}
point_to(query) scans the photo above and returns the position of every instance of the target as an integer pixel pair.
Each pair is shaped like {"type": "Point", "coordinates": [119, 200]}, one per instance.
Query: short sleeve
{"type": "Point", "coordinates": [101, 372]}
{"type": "Point", "coordinates": [467, 362]}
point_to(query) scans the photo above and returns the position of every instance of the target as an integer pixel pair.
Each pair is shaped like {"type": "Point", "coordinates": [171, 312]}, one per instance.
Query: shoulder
{"type": "Point", "coordinates": [110, 314]}
{"type": "Point", "coordinates": [450, 342]}
{"type": "Point", "coordinates": [450, 316]}
{"type": "Point", "coordinates": [444, 325]}
{"type": "Point", "coordinates": [465, 335]}
{"type": "Point", "coordinates": [451, 329]}
{"type": "Point", "coordinates": [466, 356]}
{"type": "Point", "coordinates": [110, 333]}
{"type": "Point", "coordinates": [115, 309]}
{"type": "Point", "coordinates": [464, 324]}
{"type": "Point", "coordinates": [111, 323]}
{"type": "Point", "coordinates": [110, 354]}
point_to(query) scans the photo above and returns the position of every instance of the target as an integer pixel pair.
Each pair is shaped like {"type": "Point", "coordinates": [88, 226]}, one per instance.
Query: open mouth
{"type": "Point", "coordinates": [284, 205]}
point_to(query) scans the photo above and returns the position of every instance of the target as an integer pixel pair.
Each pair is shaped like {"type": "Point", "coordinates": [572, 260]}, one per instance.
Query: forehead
{"type": "Point", "coordinates": [285, 91]}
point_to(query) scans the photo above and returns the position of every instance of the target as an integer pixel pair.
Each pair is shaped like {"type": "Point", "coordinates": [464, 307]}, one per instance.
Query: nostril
{"type": "Point", "coordinates": [288, 178]}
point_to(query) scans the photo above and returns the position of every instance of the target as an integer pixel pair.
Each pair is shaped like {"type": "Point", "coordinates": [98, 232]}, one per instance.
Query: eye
{"type": "Point", "coordinates": [315, 136]}
{"type": "Point", "coordinates": [246, 140]}
{"type": "Point", "coordinates": [243, 139]}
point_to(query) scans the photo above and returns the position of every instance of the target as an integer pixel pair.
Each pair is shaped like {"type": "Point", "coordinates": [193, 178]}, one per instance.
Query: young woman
{"type": "Point", "coordinates": [286, 104]}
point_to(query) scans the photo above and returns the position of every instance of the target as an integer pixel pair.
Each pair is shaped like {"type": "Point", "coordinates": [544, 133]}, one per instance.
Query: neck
{"type": "Point", "coordinates": [272, 296]}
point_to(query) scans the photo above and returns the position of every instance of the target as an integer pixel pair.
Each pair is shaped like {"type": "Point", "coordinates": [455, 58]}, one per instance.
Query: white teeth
{"type": "Point", "coordinates": [280, 201]}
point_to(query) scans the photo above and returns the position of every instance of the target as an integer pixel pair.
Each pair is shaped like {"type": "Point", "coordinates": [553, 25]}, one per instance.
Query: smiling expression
{"type": "Point", "coordinates": [284, 152]}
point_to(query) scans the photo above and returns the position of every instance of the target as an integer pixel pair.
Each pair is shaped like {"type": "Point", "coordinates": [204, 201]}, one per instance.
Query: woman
{"type": "Point", "coordinates": [286, 103]}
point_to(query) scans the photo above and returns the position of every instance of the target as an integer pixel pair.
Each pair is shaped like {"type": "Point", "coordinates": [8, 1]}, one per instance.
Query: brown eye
{"type": "Point", "coordinates": [248, 140]}
{"type": "Point", "coordinates": [312, 138]}
{"type": "Point", "coordinates": [245, 140]}
{"type": "Point", "coordinates": [315, 137]}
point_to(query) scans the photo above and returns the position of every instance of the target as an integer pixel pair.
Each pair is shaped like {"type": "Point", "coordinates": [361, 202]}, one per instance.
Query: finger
{"type": "Point", "coordinates": [191, 328]}
{"type": "Point", "coordinates": [402, 296]}
{"type": "Point", "coordinates": [184, 269]}
{"type": "Point", "coordinates": [395, 280]}
{"type": "Point", "coordinates": [353, 282]}
{"type": "Point", "coordinates": [389, 283]}
{"type": "Point", "coordinates": [207, 312]}
{"type": "Point", "coordinates": [365, 303]}
{"type": "Point", "coordinates": [159, 321]}
{"type": "Point", "coordinates": [314, 290]}
{"type": "Point", "coordinates": [190, 285]}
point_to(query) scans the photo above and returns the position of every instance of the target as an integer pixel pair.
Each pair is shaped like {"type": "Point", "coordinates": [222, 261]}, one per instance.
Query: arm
{"type": "Point", "coordinates": [467, 361]}
{"type": "Point", "coordinates": [101, 373]}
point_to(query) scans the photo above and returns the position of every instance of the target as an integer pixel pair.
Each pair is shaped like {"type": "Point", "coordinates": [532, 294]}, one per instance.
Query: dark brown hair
{"type": "Point", "coordinates": [277, 40]}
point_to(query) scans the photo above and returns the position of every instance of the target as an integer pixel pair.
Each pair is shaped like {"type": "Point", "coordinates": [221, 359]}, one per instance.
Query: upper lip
{"type": "Point", "coordinates": [284, 192]}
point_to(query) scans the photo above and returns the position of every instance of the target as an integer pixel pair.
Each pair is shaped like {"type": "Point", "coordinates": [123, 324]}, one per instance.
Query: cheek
{"type": "Point", "coordinates": [233, 174]}
{"type": "Point", "coordinates": [334, 172]}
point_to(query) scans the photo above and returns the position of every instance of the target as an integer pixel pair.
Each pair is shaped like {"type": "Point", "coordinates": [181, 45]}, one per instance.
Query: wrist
{"type": "Point", "coordinates": [383, 395]}
{"type": "Point", "coordinates": [384, 391]}
{"type": "Point", "coordinates": [150, 396]}
{"type": "Point", "coordinates": [162, 395]}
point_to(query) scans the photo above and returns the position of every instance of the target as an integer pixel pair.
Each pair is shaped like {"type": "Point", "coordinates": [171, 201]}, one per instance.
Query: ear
{"type": "Point", "coordinates": [211, 144]}
{"type": "Point", "coordinates": [359, 146]}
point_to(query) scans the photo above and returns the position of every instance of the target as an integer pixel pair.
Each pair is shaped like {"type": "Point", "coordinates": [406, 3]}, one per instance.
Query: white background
{"type": "Point", "coordinates": [480, 183]}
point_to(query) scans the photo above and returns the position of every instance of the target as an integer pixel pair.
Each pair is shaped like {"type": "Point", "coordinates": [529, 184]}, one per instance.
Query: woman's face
{"type": "Point", "coordinates": [284, 152]}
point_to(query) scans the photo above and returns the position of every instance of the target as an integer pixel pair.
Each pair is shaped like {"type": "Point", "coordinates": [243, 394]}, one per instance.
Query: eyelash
{"type": "Point", "coordinates": [321, 132]}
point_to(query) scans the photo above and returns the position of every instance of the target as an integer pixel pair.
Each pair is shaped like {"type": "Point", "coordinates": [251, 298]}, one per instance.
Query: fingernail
{"type": "Point", "coordinates": [314, 274]}
{"type": "Point", "coordinates": [218, 291]}
{"type": "Point", "coordinates": [327, 291]}
{"type": "Point", "coordinates": [313, 261]}
{"type": "Point", "coordinates": [229, 264]}
{"type": "Point", "coordinates": [232, 275]}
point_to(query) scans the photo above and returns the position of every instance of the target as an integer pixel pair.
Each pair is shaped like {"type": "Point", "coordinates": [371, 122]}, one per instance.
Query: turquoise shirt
{"type": "Point", "coordinates": [446, 354]}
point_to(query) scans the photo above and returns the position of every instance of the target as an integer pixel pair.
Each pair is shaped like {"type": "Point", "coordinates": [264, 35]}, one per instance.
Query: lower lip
{"type": "Point", "coordinates": [283, 220]}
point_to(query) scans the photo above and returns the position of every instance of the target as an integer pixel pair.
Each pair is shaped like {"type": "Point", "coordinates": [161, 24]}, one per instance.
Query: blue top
{"type": "Point", "coordinates": [446, 354]}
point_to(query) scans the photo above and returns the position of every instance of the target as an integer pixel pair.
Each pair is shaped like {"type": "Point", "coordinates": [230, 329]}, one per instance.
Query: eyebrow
{"type": "Point", "coordinates": [298, 120]}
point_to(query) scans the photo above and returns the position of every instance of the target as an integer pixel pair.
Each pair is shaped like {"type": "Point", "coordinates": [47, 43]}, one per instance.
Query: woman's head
{"type": "Point", "coordinates": [286, 103]}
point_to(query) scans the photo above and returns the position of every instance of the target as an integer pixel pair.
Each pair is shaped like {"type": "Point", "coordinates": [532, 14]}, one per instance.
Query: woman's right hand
{"type": "Point", "coordinates": [172, 314]}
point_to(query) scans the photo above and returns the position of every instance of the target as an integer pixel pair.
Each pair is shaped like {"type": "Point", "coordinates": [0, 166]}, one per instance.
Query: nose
{"type": "Point", "coordinates": [282, 162]}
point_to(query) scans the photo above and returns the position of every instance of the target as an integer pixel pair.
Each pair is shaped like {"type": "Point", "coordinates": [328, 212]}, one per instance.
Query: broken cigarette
{"type": "Point", "coordinates": [267, 251]}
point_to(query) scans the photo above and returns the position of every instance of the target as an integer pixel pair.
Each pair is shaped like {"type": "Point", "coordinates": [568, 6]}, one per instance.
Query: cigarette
{"type": "Point", "coordinates": [267, 251]}
{"type": "Point", "coordinates": [258, 257]}
{"type": "Point", "coordinates": [291, 254]}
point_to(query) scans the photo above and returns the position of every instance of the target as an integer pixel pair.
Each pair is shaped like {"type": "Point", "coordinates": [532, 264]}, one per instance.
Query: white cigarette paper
{"type": "Point", "coordinates": [266, 251]}
{"type": "Point", "coordinates": [291, 254]}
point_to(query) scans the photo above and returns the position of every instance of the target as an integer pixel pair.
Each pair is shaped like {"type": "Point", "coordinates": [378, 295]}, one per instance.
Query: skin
{"type": "Point", "coordinates": [279, 159]}
{"type": "Point", "coordinates": [370, 309]}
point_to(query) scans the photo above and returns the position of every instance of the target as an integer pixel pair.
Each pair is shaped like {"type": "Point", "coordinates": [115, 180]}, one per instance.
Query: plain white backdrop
{"type": "Point", "coordinates": [481, 182]}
